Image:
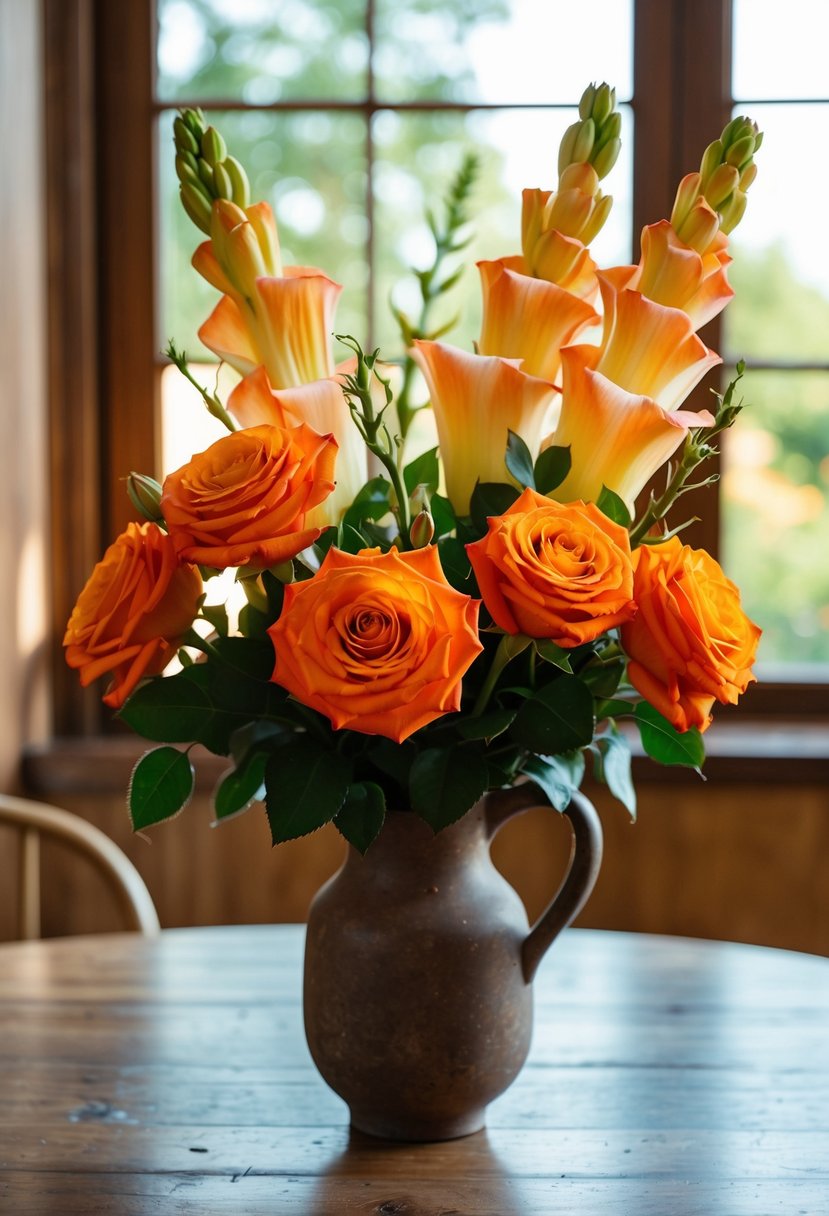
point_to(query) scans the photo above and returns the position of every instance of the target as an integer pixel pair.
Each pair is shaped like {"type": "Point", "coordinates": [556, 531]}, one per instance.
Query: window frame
{"type": "Point", "coordinates": [104, 373]}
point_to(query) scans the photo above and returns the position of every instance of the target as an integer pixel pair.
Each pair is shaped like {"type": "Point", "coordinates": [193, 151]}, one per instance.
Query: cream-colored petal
{"type": "Point", "coordinates": [529, 319]}
{"type": "Point", "coordinates": [477, 399]}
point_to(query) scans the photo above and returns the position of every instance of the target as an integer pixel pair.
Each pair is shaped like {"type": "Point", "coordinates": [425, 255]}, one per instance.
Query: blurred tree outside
{"type": "Point", "coordinates": [776, 478]}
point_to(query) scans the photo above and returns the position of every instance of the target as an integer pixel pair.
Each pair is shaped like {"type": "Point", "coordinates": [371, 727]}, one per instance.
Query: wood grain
{"type": "Point", "coordinates": [667, 1078]}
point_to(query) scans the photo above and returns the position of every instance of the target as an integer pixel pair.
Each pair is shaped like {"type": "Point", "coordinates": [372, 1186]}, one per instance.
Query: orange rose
{"type": "Point", "coordinates": [243, 501]}
{"type": "Point", "coordinates": [377, 642]}
{"type": "Point", "coordinates": [554, 570]}
{"type": "Point", "coordinates": [690, 644]}
{"type": "Point", "coordinates": [133, 612]}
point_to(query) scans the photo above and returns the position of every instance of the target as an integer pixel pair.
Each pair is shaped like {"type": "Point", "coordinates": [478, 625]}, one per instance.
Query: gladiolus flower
{"type": "Point", "coordinates": [278, 317]}
{"type": "Point", "coordinates": [477, 399]}
{"type": "Point", "coordinates": [648, 349]}
{"type": "Point", "coordinates": [617, 438]}
{"type": "Point", "coordinates": [243, 247]}
{"type": "Point", "coordinates": [285, 326]}
{"type": "Point", "coordinates": [552, 254]}
{"type": "Point", "coordinates": [528, 319]}
{"type": "Point", "coordinates": [676, 275]}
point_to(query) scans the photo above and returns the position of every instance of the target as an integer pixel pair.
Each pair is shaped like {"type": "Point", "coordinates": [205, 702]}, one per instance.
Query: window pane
{"type": "Point", "coordinates": [261, 51]}
{"type": "Point", "coordinates": [776, 517]}
{"type": "Point", "coordinates": [511, 51]}
{"type": "Point", "coordinates": [416, 157]}
{"type": "Point", "coordinates": [311, 168]}
{"type": "Point", "coordinates": [780, 50]}
{"type": "Point", "coordinates": [781, 248]}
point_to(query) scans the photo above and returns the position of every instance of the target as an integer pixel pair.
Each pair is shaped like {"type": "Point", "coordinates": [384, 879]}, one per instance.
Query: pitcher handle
{"type": "Point", "coordinates": [582, 871]}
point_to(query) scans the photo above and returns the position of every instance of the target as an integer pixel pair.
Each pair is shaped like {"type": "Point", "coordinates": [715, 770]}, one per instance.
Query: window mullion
{"type": "Point", "coordinates": [682, 100]}
{"type": "Point", "coordinates": [129, 380]}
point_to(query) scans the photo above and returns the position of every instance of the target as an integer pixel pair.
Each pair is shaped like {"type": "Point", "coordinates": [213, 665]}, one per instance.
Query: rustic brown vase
{"type": "Point", "coordinates": [418, 969]}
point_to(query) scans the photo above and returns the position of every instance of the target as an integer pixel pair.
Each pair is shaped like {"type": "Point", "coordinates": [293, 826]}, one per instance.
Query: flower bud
{"type": "Point", "coordinates": [213, 147]}
{"type": "Point", "coordinates": [145, 495]}
{"type": "Point", "coordinates": [422, 530]}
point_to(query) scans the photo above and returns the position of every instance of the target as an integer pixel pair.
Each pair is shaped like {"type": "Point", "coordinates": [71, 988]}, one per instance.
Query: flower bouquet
{"type": "Point", "coordinates": [420, 629]}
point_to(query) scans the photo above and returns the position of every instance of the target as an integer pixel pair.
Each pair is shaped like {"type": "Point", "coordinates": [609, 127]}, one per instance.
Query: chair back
{"type": "Point", "coordinates": [34, 819]}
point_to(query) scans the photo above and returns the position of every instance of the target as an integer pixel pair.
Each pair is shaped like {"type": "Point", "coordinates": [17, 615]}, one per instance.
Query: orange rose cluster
{"type": "Point", "coordinates": [243, 501]}
{"type": "Point", "coordinates": [561, 571]}
{"type": "Point", "coordinates": [690, 643]}
{"type": "Point", "coordinates": [377, 642]}
{"type": "Point", "coordinates": [130, 618]}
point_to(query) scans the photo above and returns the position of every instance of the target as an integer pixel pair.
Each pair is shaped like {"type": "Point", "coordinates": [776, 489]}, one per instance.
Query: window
{"type": "Point", "coordinates": [348, 112]}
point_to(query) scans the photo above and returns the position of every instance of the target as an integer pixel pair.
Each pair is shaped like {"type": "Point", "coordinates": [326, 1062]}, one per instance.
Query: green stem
{"type": "Point", "coordinates": [509, 647]}
{"type": "Point", "coordinates": [658, 508]}
{"type": "Point", "coordinates": [212, 402]}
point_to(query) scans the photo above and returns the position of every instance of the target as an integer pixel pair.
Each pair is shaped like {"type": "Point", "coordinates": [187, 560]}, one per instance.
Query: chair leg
{"type": "Point", "coordinates": [29, 885]}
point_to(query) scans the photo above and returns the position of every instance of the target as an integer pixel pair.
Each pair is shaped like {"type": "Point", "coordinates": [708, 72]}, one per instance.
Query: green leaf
{"type": "Point", "coordinates": [614, 752]}
{"type": "Point", "coordinates": [444, 784]}
{"type": "Point", "coordinates": [169, 709]}
{"type": "Point", "coordinates": [603, 678]}
{"type": "Point", "coordinates": [324, 542]}
{"type": "Point", "coordinates": [557, 776]}
{"type": "Point", "coordinates": [253, 623]}
{"type": "Point", "coordinates": [216, 614]}
{"type": "Point", "coordinates": [275, 591]}
{"type": "Point", "coordinates": [551, 467]}
{"type": "Point", "coordinates": [246, 738]}
{"type": "Point", "coordinates": [361, 816]}
{"type": "Point", "coordinates": [241, 787]}
{"type": "Point", "coordinates": [443, 514]}
{"type": "Point", "coordinates": [455, 564]}
{"type": "Point", "coordinates": [160, 786]}
{"type": "Point", "coordinates": [252, 657]}
{"type": "Point", "coordinates": [393, 759]}
{"type": "Point", "coordinates": [614, 507]}
{"type": "Point", "coordinates": [519, 461]}
{"type": "Point", "coordinates": [486, 726]}
{"type": "Point", "coordinates": [352, 541]}
{"type": "Point", "coordinates": [664, 743]}
{"type": "Point", "coordinates": [371, 502]}
{"type": "Point", "coordinates": [551, 653]}
{"type": "Point", "coordinates": [305, 786]}
{"type": "Point", "coordinates": [558, 718]}
{"type": "Point", "coordinates": [490, 498]}
{"type": "Point", "coordinates": [613, 708]}
{"type": "Point", "coordinates": [423, 471]}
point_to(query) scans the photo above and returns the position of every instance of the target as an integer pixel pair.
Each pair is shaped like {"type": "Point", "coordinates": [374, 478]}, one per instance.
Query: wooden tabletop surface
{"type": "Point", "coordinates": [667, 1077]}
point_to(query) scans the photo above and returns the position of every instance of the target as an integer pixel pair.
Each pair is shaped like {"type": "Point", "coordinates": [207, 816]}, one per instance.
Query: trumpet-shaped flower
{"type": "Point", "coordinates": [675, 274]}
{"type": "Point", "coordinates": [322, 406]}
{"type": "Point", "coordinates": [285, 325]}
{"type": "Point", "coordinates": [243, 247]}
{"type": "Point", "coordinates": [477, 399]}
{"type": "Point", "coordinates": [528, 319]}
{"type": "Point", "coordinates": [617, 438]}
{"type": "Point", "coordinates": [648, 349]}
{"type": "Point", "coordinates": [550, 253]}
{"type": "Point", "coordinates": [279, 317]}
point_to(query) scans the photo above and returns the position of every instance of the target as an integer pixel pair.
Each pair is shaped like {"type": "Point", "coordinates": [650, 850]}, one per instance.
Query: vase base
{"type": "Point", "coordinates": [416, 1130]}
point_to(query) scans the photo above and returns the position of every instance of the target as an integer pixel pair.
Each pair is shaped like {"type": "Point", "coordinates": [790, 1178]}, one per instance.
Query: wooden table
{"type": "Point", "coordinates": [171, 1076]}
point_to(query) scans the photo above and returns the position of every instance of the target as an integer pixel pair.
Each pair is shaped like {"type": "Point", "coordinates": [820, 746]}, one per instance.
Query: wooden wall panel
{"type": "Point", "coordinates": [24, 451]}
{"type": "Point", "coordinates": [746, 863]}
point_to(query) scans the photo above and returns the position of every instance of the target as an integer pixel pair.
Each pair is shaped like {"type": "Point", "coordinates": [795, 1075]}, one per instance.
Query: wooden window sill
{"type": "Point", "coordinates": [749, 751]}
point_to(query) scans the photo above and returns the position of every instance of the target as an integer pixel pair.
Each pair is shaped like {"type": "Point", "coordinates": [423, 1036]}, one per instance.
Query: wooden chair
{"type": "Point", "coordinates": [32, 819]}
